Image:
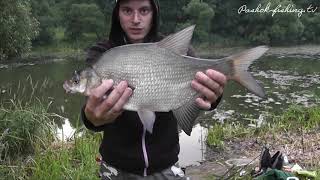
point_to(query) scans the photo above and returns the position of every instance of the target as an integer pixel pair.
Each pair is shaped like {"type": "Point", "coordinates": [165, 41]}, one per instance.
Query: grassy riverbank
{"type": "Point", "coordinates": [30, 150]}
{"type": "Point", "coordinates": [295, 133]}
{"type": "Point", "coordinates": [295, 119]}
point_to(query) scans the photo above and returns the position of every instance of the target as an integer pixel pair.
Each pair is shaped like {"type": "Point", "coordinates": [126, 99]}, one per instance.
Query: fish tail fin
{"type": "Point", "coordinates": [240, 64]}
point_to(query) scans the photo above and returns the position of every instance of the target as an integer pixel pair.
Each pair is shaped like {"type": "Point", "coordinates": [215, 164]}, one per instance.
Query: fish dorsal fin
{"type": "Point", "coordinates": [178, 42]}
{"type": "Point", "coordinates": [186, 116]}
{"type": "Point", "coordinates": [147, 118]}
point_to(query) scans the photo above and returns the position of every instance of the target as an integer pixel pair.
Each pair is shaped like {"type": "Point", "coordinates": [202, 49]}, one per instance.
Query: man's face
{"type": "Point", "coordinates": [136, 19]}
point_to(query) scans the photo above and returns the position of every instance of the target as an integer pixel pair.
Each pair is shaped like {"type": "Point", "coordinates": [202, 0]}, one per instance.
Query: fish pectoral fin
{"type": "Point", "coordinates": [178, 42]}
{"type": "Point", "coordinates": [186, 115]}
{"type": "Point", "coordinates": [147, 118]}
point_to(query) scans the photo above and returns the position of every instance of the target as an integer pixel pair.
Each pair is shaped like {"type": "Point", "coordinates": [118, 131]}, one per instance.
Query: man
{"type": "Point", "coordinates": [127, 151]}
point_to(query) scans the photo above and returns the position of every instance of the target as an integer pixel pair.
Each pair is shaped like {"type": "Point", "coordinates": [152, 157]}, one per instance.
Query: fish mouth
{"type": "Point", "coordinates": [66, 87]}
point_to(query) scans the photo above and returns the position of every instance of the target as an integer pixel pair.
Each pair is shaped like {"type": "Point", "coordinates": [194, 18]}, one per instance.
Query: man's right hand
{"type": "Point", "coordinates": [101, 109]}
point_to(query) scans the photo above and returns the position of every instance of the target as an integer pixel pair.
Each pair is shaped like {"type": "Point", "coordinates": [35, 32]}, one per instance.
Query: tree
{"type": "Point", "coordinates": [199, 13]}
{"type": "Point", "coordinates": [18, 28]}
{"type": "Point", "coordinates": [85, 18]}
{"type": "Point", "coordinates": [43, 13]}
{"type": "Point", "coordinates": [280, 29]}
{"type": "Point", "coordinates": [312, 28]}
{"type": "Point", "coordinates": [106, 6]}
{"type": "Point", "coordinates": [171, 15]}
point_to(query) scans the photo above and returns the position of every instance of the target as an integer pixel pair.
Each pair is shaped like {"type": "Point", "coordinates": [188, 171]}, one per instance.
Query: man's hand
{"type": "Point", "coordinates": [101, 109]}
{"type": "Point", "coordinates": [210, 85]}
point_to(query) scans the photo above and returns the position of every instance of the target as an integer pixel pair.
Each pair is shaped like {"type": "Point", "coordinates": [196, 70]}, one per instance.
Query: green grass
{"type": "Point", "coordinates": [29, 147]}
{"type": "Point", "coordinates": [298, 117]}
{"type": "Point", "coordinates": [215, 137]}
{"type": "Point", "coordinates": [69, 161]}
{"type": "Point", "coordinates": [294, 119]}
{"type": "Point", "coordinates": [23, 129]}
{"type": "Point", "coordinates": [31, 151]}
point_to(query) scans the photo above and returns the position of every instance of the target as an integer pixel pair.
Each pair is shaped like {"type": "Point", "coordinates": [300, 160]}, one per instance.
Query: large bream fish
{"type": "Point", "coordinates": [161, 73]}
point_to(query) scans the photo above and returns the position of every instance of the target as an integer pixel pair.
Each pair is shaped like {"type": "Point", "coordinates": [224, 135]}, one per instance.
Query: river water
{"type": "Point", "coordinates": [286, 80]}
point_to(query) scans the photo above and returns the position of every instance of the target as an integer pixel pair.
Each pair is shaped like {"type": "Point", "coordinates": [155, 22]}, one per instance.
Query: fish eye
{"type": "Point", "coordinates": [76, 79]}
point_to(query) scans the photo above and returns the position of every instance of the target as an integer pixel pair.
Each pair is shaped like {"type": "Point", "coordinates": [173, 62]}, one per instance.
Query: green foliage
{"type": "Point", "coordinates": [274, 29]}
{"type": "Point", "coordinates": [106, 7]}
{"type": "Point", "coordinates": [227, 23]}
{"type": "Point", "coordinates": [171, 15]}
{"type": "Point", "coordinates": [199, 13]}
{"type": "Point", "coordinates": [60, 160]}
{"type": "Point", "coordinates": [68, 160]}
{"type": "Point", "coordinates": [43, 13]}
{"type": "Point", "coordinates": [297, 117]}
{"type": "Point", "coordinates": [23, 128]}
{"type": "Point", "coordinates": [312, 25]}
{"type": "Point", "coordinates": [84, 18]}
{"type": "Point", "coordinates": [221, 132]}
{"type": "Point", "coordinates": [29, 148]}
{"type": "Point", "coordinates": [24, 121]}
{"type": "Point", "coordinates": [18, 28]}
{"type": "Point", "coordinates": [217, 22]}
{"type": "Point", "coordinates": [215, 137]}
{"type": "Point", "coordinates": [294, 119]}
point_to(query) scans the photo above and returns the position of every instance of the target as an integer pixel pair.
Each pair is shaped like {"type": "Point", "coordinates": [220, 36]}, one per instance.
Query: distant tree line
{"type": "Point", "coordinates": [24, 23]}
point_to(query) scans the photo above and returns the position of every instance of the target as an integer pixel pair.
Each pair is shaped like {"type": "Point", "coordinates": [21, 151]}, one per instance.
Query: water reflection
{"type": "Point", "coordinates": [192, 148]}
{"type": "Point", "coordinates": [66, 131]}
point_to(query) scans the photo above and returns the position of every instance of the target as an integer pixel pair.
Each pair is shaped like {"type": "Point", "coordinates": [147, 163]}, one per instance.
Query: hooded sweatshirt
{"type": "Point", "coordinates": [126, 145]}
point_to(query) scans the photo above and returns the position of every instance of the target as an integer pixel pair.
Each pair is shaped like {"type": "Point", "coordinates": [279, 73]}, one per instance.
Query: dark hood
{"type": "Point", "coordinates": [118, 37]}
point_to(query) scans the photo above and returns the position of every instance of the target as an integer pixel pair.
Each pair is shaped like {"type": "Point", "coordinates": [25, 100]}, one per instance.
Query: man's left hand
{"type": "Point", "coordinates": [210, 86]}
